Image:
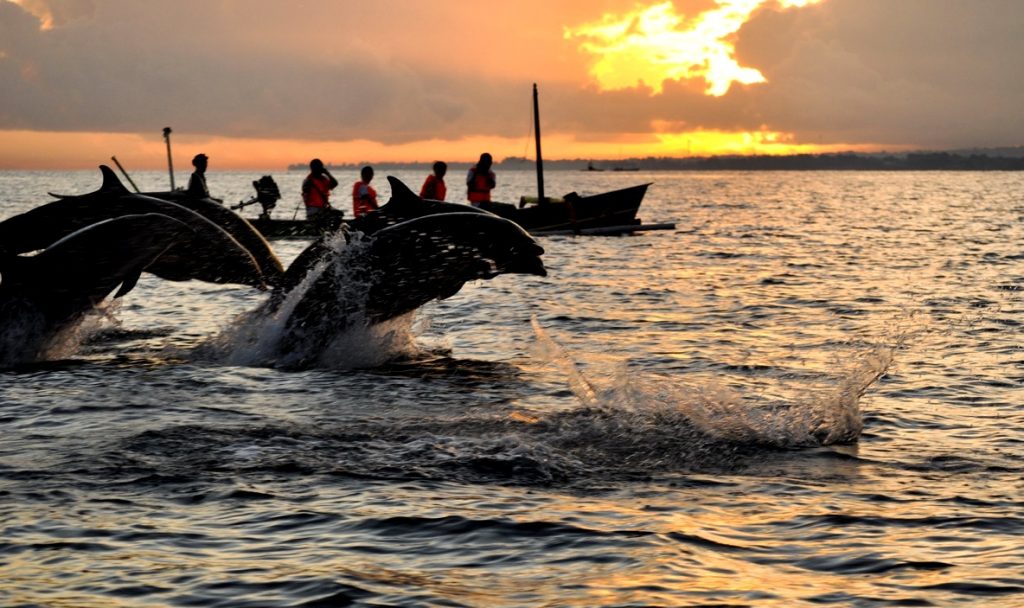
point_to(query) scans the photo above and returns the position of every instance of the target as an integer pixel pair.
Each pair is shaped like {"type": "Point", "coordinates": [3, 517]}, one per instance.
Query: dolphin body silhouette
{"type": "Point", "coordinates": [404, 205]}
{"type": "Point", "coordinates": [216, 256]}
{"type": "Point", "coordinates": [43, 294]}
{"type": "Point", "coordinates": [370, 279]}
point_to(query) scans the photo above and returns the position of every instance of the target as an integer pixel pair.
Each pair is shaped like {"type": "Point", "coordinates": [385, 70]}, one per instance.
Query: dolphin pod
{"type": "Point", "coordinates": [60, 260]}
{"type": "Point", "coordinates": [229, 251]}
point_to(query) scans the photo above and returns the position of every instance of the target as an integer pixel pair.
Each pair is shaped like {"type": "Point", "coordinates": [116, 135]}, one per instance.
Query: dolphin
{"type": "Point", "coordinates": [371, 279]}
{"type": "Point", "coordinates": [235, 225]}
{"type": "Point", "coordinates": [403, 205]}
{"type": "Point", "coordinates": [43, 294]}
{"type": "Point", "coordinates": [214, 256]}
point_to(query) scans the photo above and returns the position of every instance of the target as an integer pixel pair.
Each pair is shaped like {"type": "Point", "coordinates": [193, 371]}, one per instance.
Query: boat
{"type": "Point", "coordinates": [569, 214]}
{"type": "Point", "coordinates": [613, 212]}
{"type": "Point", "coordinates": [574, 212]}
{"type": "Point", "coordinates": [606, 213]}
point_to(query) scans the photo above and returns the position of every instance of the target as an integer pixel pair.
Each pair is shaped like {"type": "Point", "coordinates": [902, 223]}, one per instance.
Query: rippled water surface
{"type": "Point", "coordinates": [810, 393]}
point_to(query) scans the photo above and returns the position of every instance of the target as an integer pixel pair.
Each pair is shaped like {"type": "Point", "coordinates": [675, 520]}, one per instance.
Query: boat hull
{"type": "Point", "coordinates": [615, 208]}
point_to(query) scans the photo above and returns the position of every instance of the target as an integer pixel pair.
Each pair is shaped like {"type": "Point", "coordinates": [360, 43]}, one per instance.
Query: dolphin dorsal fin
{"type": "Point", "coordinates": [400, 192]}
{"type": "Point", "coordinates": [110, 182]}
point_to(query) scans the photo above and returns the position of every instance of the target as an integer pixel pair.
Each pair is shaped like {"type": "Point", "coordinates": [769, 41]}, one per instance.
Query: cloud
{"type": "Point", "coordinates": [914, 72]}
{"type": "Point", "coordinates": [933, 74]}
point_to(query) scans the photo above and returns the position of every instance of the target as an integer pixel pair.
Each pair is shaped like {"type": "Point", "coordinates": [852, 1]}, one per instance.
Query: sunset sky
{"type": "Point", "coordinates": [265, 83]}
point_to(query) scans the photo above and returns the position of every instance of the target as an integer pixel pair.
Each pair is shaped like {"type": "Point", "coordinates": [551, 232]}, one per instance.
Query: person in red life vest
{"type": "Point", "coordinates": [316, 189]}
{"type": "Point", "coordinates": [480, 181]}
{"type": "Point", "coordinates": [434, 188]}
{"type": "Point", "coordinates": [364, 197]}
{"type": "Point", "coordinates": [316, 194]}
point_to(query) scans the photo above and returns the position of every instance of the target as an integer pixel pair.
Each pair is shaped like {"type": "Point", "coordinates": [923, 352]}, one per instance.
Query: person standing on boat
{"type": "Point", "coordinates": [316, 191]}
{"type": "Point", "coordinates": [434, 188]}
{"type": "Point", "coordinates": [480, 181]}
{"type": "Point", "coordinates": [197, 182]}
{"type": "Point", "coordinates": [364, 197]}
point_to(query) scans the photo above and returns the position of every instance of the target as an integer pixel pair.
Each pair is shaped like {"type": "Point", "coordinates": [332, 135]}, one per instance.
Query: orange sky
{"type": "Point", "coordinates": [261, 83]}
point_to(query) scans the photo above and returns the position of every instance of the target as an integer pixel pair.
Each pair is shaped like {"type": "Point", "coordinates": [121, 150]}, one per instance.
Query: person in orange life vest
{"type": "Point", "coordinates": [364, 197]}
{"type": "Point", "coordinates": [480, 181]}
{"type": "Point", "coordinates": [316, 189]}
{"type": "Point", "coordinates": [434, 188]}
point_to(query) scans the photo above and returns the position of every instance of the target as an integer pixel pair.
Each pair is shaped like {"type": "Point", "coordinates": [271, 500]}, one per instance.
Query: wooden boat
{"type": "Point", "coordinates": [574, 212]}
{"type": "Point", "coordinates": [571, 213]}
{"type": "Point", "coordinates": [613, 212]}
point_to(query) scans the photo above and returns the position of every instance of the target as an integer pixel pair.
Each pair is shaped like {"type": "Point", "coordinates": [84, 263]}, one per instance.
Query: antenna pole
{"type": "Point", "coordinates": [170, 163]}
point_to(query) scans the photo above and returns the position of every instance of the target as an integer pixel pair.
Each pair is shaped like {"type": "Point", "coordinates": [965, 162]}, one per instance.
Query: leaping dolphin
{"type": "Point", "coordinates": [393, 272]}
{"type": "Point", "coordinates": [215, 257]}
{"type": "Point", "coordinates": [43, 294]}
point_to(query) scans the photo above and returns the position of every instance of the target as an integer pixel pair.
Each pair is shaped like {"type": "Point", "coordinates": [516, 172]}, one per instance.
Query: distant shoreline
{"type": "Point", "coordinates": [918, 161]}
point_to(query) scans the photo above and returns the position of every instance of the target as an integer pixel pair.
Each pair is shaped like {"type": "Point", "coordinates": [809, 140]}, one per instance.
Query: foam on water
{"type": "Point", "coordinates": [811, 419]}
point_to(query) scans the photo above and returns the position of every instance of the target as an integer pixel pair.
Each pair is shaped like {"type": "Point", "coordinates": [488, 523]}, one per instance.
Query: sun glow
{"type": "Point", "coordinates": [650, 45]}
{"type": "Point", "coordinates": [762, 142]}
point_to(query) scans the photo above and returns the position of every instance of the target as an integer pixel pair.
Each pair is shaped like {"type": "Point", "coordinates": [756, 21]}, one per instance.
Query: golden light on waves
{"type": "Point", "coordinates": [651, 45]}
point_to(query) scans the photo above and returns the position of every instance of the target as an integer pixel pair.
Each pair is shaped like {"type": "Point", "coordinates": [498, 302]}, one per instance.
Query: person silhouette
{"type": "Point", "coordinates": [480, 181]}
{"type": "Point", "coordinates": [364, 197]}
{"type": "Point", "coordinates": [434, 187]}
{"type": "Point", "coordinates": [197, 181]}
{"type": "Point", "coordinates": [316, 195]}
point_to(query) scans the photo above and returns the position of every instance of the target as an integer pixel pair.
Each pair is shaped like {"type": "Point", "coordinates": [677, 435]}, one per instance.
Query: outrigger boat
{"type": "Point", "coordinates": [606, 213]}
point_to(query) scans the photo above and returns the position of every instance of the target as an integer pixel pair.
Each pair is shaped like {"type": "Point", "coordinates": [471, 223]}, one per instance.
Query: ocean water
{"type": "Point", "coordinates": [811, 392]}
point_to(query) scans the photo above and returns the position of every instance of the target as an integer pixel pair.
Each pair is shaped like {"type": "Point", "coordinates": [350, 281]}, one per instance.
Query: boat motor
{"type": "Point", "coordinates": [267, 195]}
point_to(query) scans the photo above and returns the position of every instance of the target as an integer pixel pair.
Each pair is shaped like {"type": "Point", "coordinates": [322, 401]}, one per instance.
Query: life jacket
{"type": "Point", "coordinates": [433, 188]}
{"type": "Point", "coordinates": [478, 186]}
{"type": "Point", "coordinates": [316, 190]}
{"type": "Point", "coordinates": [364, 198]}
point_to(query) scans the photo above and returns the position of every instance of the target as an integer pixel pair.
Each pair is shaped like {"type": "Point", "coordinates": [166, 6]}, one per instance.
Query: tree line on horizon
{"type": "Point", "coordinates": [843, 161]}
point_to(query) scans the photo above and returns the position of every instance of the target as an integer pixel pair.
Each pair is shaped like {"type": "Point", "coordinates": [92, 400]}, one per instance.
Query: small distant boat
{"type": "Point", "coordinates": [591, 167]}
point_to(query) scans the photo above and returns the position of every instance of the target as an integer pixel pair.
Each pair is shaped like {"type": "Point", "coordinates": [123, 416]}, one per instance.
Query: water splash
{"type": "Point", "coordinates": [653, 403]}
{"type": "Point", "coordinates": [344, 340]}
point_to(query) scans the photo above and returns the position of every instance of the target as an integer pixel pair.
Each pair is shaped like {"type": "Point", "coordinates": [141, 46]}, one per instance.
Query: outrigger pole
{"type": "Point", "coordinates": [536, 136]}
{"type": "Point", "coordinates": [170, 163]}
{"type": "Point", "coordinates": [125, 173]}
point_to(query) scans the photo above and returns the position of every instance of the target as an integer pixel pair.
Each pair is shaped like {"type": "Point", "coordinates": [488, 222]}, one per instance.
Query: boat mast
{"type": "Point", "coordinates": [536, 136]}
{"type": "Point", "coordinates": [170, 165]}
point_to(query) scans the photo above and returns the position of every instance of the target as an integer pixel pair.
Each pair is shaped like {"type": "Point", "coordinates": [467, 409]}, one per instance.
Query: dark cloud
{"type": "Point", "coordinates": [921, 72]}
